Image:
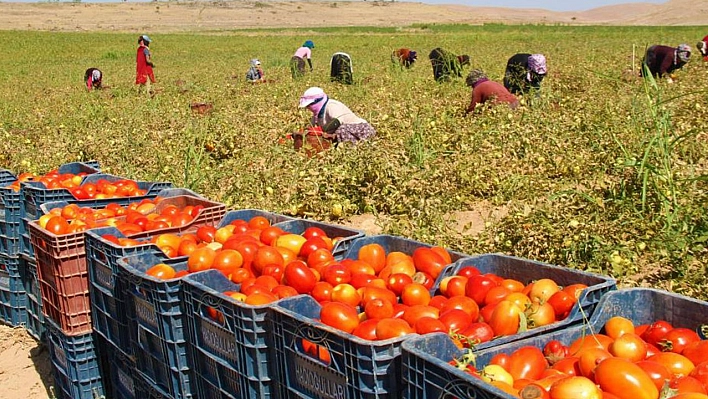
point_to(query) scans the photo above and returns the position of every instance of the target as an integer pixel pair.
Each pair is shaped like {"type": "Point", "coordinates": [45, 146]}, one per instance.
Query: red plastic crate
{"type": "Point", "coordinates": [63, 279]}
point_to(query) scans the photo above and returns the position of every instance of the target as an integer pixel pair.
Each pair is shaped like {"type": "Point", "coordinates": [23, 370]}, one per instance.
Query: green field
{"type": "Point", "coordinates": [605, 172]}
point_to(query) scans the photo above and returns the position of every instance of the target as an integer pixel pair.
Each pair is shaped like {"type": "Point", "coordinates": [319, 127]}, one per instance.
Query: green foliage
{"type": "Point", "coordinates": [605, 172]}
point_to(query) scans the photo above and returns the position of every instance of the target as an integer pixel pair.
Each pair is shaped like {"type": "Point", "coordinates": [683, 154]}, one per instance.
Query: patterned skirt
{"type": "Point", "coordinates": [354, 132]}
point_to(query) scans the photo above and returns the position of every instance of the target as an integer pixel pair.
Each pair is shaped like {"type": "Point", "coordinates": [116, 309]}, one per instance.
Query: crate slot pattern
{"type": "Point", "coordinates": [231, 358]}
{"type": "Point", "coordinates": [10, 211]}
{"type": "Point", "coordinates": [30, 282]}
{"type": "Point", "coordinates": [34, 194]}
{"type": "Point", "coordinates": [107, 299]}
{"type": "Point", "coordinates": [75, 364]}
{"type": "Point", "coordinates": [427, 374]}
{"type": "Point", "coordinates": [12, 293]}
{"type": "Point", "coordinates": [359, 369]}
{"type": "Point", "coordinates": [63, 279]}
{"type": "Point", "coordinates": [156, 323]}
{"type": "Point", "coordinates": [526, 270]}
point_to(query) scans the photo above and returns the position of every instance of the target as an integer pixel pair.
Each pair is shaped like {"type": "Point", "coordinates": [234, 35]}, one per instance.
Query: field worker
{"type": "Point", "coordinates": [337, 121]}
{"type": "Point", "coordinates": [255, 72]}
{"type": "Point", "coordinates": [703, 48]}
{"type": "Point", "coordinates": [297, 63]}
{"type": "Point", "coordinates": [446, 64]}
{"type": "Point", "coordinates": [341, 69]}
{"type": "Point", "coordinates": [144, 75]}
{"type": "Point", "coordinates": [93, 78]}
{"type": "Point", "coordinates": [661, 60]}
{"type": "Point", "coordinates": [404, 57]}
{"type": "Point", "coordinates": [524, 72]}
{"type": "Point", "coordinates": [485, 90]}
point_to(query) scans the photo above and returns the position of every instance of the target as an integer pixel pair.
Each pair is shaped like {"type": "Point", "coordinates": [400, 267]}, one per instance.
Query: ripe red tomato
{"type": "Point", "coordinates": [373, 254]}
{"type": "Point", "coordinates": [658, 373]}
{"type": "Point", "coordinates": [540, 314]}
{"type": "Point", "coordinates": [505, 318]}
{"type": "Point", "coordinates": [311, 245]}
{"type": "Point", "coordinates": [468, 271]}
{"type": "Point", "coordinates": [336, 274]}
{"type": "Point", "coordinates": [339, 315]}
{"type": "Point", "coordinates": [313, 231]}
{"type": "Point", "coordinates": [392, 328]}
{"type": "Point", "coordinates": [697, 352]}
{"type": "Point", "coordinates": [625, 379]}
{"type": "Point", "coordinates": [700, 372]}
{"type": "Point", "coordinates": [453, 285]}
{"type": "Point", "coordinates": [369, 293]}
{"type": "Point", "coordinates": [677, 339]}
{"type": "Point", "coordinates": [414, 313]}
{"type": "Point", "coordinates": [478, 286]}
{"type": "Point", "coordinates": [656, 331]}
{"type": "Point", "coordinates": [397, 281]}
{"type": "Point", "coordinates": [428, 261]}
{"type": "Point", "coordinates": [161, 271]}
{"type": "Point", "coordinates": [478, 332]}
{"type": "Point", "coordinates": [677, 364]}
{"type": "Point", "coordinates": [378, 309]}
{"type": "Point", "coordinates": [415, 294]}
{"type": "Point", "coordinates": [57, 225]}
{"type": "Point", "coordinates": [562, 303]}
{"type": "Point", "coordinates": [366, 329]}
{"type": "Point", "coordinates": [299, 276]}
{"type": "Point", "coordinates": [527, 362]}
{"type": "Point", "coordinates": [201, 259]}
{"type": "Point", "coordinates": [686, 384]}
{"type": "Point", "coordinates": [569, 365]}
{"type": "Point", "coordinates": [322, 291]}
{"type": "Point", "coordinates": [464, 303]}
{"type": "Point", "coordinates": [427, 325]}
{"type": "Point", "coordinates": [269, 234]}
{"type": "Point", "coordinates": [456, 320]}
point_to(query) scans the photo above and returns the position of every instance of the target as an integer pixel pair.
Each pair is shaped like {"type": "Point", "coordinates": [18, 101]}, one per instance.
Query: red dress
{"type": "Point", "coordinates": [143, 70]}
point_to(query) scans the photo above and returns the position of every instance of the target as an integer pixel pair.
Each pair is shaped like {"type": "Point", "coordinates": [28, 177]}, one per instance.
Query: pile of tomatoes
{"type": "Point", "coordinates": [130, 219]}
{"type": "Point", "coordinates": [625, 361]}
{"type": "Point", "coordinates": [506, 306]}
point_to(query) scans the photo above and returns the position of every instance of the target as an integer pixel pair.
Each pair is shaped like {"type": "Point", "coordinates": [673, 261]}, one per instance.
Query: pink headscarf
{"type": "Point", "coordinates": [316, 106]}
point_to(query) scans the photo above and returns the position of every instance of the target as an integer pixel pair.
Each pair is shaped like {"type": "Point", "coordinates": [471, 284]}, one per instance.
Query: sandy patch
{"type": "Point", "coordinates": [25, 368]}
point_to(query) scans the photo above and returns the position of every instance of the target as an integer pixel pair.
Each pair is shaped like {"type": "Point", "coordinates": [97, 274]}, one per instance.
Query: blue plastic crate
{"type": "Point", "coordinates": [428, 376]}
{"type": "Point", "coordinates": [30, 282]}
{"type": "Point", "coordinates": [11, 206]}
{"type": "Point", "coordinates": [34, 194]}
{"type": "Point", "coordinates": [156, 322]}
{"type": "Point", "coordinates": [525, 271]}
{"type": "Point", "coordinates": [144, 389]}
{"type": "Point", "coordinates": [345, 236]}
{"type": "Point", "coordinates": [358, 369]}
{"type": "Point", "coordinates": [12, 293]}
{"type": "Point", "coordinates": [119, 369]}
{"type": "Point", "coordinates": [230, 357]}
{"type": "Point", "coordinates": [75, 364]}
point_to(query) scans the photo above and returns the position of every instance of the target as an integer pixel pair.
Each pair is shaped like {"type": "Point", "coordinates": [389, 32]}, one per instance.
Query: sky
{"type": "Point", "coordinates": [555, 5]}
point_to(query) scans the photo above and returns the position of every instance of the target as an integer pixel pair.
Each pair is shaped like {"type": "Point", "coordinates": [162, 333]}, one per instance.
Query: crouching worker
{"type": "Point", "coordinates": [525, 72]}
{"type": "Point", "coordinates": [341, 69]}
{"type": "Point", "coordinates": [404, 57]}
{"type": "Point", "coordinates": [703, 48]}
{"type": "Point", "coordinates": [485, 90]}
{"type": "Point", "coordinates": [447, 65]}
{"type": "Point", "coordinates": [93, 78]}
{"type": "Point", "coordinates": [338, 123]}
{"type": "Point", "coordinates": [662, 60]}
{"type": "Point", "coordinates": [255, 72]}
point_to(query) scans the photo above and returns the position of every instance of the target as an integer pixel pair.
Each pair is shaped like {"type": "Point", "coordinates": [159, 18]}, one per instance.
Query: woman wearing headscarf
{"type": "Point", "coordinates": [525, 72]}
{"type": "Point", "coordinates": [662, 60]}
{"type": "Point", "coordinates": [446, 64]}
{"type": "Point", "coordinates": [405, 57]}
{"type": "Point", "coordinates": [337, 121]}
{"type": "Point", "coordinates": [255, 72]}
{"type": "Point", "coordinates": [93, 77]}
{"type": "Point", "coordinates": [297, 62]}
{"type": "Point", "coordinates": [485, 90]}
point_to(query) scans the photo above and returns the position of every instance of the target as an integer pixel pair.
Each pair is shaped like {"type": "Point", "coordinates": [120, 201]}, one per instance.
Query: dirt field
{"type": "Point", "coordinates": [25, 368]}
{"type": "Point", "coordinates": [223, 15]}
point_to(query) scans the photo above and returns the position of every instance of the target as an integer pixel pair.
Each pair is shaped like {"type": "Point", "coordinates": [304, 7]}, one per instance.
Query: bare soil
{"type": "Point", "coordinates": [25, 367]}
{"type": "Point", "coordinates": [180, 16]}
